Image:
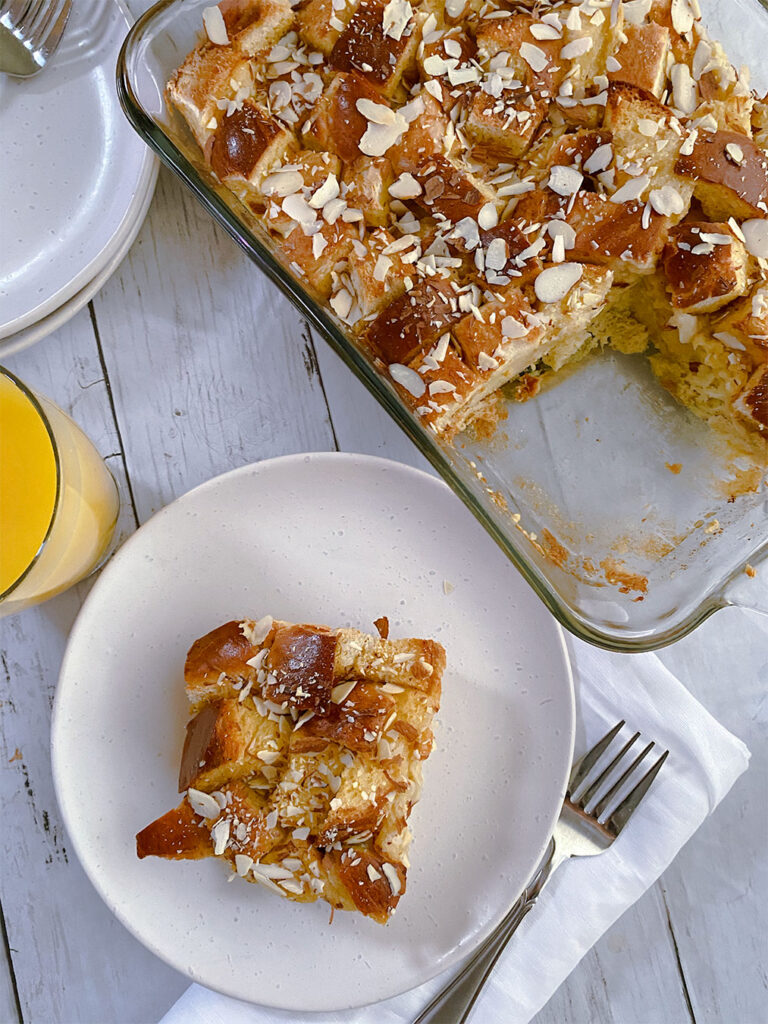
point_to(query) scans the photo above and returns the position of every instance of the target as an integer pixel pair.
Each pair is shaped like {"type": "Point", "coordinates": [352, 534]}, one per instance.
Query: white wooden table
{"type": "Point", "coordinates": [190, 363]}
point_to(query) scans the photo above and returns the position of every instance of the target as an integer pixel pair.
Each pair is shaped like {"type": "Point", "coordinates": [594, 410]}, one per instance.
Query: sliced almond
{"type": "Point", "coordinates": [203, 804]}
{"type": "Point", "coordinates": [576, 48]}
{"type": "Point", "coordinates": [756, 237]}
{"type": "Point", "coordinates": [327, 191]}
{"type": "Point", "coordinates": [340, 693]}
{"type": "Point", "coordinates": [534, 56]}
{"type": "Point", "coordinates": [554, 283]}
{"type": "Point", "coordinates": [397, 15]}
{"type": "Point", "coordinates": [631, 189]}
{"type": "Point", "coordinates": [666, 201]}
{"type": "Point", "coordinates": [215, 27]}
{"type": "Point", "coordinates": [564, 180]}
{"type": "Point", "coordinates": [408, 379]}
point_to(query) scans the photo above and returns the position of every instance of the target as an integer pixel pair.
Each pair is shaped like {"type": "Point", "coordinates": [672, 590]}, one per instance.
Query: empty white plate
{"type": "Point", "coordinates": [340, 539]}
{"type": "Point", "coordinates": [74, 178]}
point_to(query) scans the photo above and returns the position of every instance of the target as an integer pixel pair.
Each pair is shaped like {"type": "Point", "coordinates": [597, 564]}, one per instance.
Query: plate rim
{"type": "Point", "coordinates": [80, 281]}
{"type": "Point", "coordinates": [458, 953]}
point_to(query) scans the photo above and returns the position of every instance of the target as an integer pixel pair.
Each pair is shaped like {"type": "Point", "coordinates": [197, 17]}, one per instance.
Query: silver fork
{"type": "Point", "coordinates": [603, 792]}
{"type": "Point", "coordinates": [30, 31]}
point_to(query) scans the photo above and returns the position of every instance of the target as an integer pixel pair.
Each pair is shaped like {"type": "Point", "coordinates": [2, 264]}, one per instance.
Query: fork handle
{"type": "Point", "coordinates": [454, 1003]}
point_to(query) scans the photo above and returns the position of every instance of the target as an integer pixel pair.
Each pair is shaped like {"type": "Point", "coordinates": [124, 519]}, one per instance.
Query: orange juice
{"type": "Point", "coordinates": [28, 482]}
{"type": "Point", "coordinates": [58, 500]}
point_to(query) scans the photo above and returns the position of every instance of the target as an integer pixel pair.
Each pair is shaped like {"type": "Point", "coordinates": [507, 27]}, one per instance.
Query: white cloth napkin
{"type": "Point", "coordinates": [585, 897]}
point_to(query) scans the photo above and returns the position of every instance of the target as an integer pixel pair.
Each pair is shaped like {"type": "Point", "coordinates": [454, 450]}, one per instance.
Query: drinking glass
{"type": "Point", "coordinates": [58, 500]}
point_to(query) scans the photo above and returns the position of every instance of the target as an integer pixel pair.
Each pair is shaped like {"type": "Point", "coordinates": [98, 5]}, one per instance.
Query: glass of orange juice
{"type": "Point", "coordinates": [58, 501]}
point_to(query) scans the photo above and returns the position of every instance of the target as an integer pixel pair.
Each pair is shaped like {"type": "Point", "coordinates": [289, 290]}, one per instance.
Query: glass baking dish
{"type": "Point", "coordinates": [626, 514]}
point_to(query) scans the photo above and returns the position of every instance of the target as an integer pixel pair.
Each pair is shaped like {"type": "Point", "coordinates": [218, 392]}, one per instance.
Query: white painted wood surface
{"type": "Point", "coordinates": [187, 364]}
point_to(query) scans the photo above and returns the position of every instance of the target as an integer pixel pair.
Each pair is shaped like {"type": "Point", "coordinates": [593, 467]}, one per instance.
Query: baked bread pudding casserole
{"type": "Point", "coordinates": [302, 759]}
{"type": "Point", "coordinates": [483, 191]}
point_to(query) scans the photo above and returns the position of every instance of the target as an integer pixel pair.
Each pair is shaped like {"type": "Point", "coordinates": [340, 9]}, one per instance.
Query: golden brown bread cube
{"type": "Point", "coordinates": [336, 124]}
{"type": "Point", "coordinates": [179, 834]}
{"type": "Point", "coordinates": [366, 188]}
{"type": "Point", "coordinates": [504, 333]}
{"type": "Point", "coordinates": [321, 22]}
{"type": "Point", "coordinates": [245, 145]}
{"type": "Point", "coordinates": [752, 403]}
{"type": "Point", "coordinates": [363, 880]}
{"type": "Point", "coordinates": [382, 58]}
{"type": "Point", "coordinates": [209, 74]}
{"type": "Point", "coordinates": [300, 667]}
{"type": "Point", "coordinates": [217, 664]}
{"type": "Point", "coordinates": [359, 805]}
{"type": "Point", "coordinates": [450, 191]}
{"type": "Point", "coordinates": [578, 148]}
{"type": "Point", "coordinates": [429, 133]}
{"type": "Point", "coordinates": [444, 391]}
{"type": "Point", "coordinates": [729, 174]}
{"type": "Point", "coordinates": [223, 744]}
{"type": "Point", "coordinates": [585, 48]}
{"type": "Point", "coordinates": [617, 235]}
{"type": "Point", "coordinates": [414, 321]}
{"type": "Point", "coordinates": [643, 58]}
{"type": "Point", "coordinates": [254, 25]}
{"type": "Point", "coordinates": [355, 722]}
{"type": "Point", "coordinates": [705, 266]}
{"type": "Point", "coordinates": [314, 257]}
{"type": "Point", "coordinates": [380, 276]}
{"type": "Point", "coordinates": [646, 138]}
{"type": "Point", "coordinates": [504, 126]}
{"type": "Point", "coordinates": [536, 62]}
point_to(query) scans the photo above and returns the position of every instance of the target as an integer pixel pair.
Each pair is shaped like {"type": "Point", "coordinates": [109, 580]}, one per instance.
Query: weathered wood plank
{"type": "Point", "coordinates": [359, 422]}
{"type": "Point", "coordinates": [717, 888]}
{"type": "Point", "coordinates": [73, 961]}
{"type": "Point", "coordinates": [629, 977]}
{"type": "Point", "coordinates": [10, 1010]}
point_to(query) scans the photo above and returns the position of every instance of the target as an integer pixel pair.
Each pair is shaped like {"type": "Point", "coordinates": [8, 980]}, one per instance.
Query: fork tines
{"type": "Point", "coordinates": [38, 24]}
{"type": "Point", "coordinates": [609, 787]}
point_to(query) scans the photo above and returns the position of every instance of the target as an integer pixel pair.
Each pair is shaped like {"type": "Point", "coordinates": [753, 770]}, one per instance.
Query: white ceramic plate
{"type": "Point", "coordinates": [340, 539]}
{"type": "Point", "coordinates": [74, 178]}
{"type": "Point", "coordinates": [53, 321]}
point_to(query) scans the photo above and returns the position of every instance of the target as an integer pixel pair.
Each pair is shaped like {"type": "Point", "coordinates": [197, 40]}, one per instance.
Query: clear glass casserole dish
{"type": "Point", "coordinates": [628, 516]}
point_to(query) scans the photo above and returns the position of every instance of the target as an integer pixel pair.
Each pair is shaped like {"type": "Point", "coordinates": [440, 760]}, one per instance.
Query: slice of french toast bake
{"type": "Point", "coordinates": [302, 759]}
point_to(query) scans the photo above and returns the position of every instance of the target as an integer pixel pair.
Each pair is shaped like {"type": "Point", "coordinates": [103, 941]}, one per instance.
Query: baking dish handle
{"type": "Point", "coordinates": [749, 589]}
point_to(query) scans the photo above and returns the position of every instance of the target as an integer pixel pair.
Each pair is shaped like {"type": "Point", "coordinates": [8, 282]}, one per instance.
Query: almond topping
{"type": "Point", "coordinates": [203, 804]}
{"type": "Point", "coordinates": [327, 191]}
{"type": "Point", "coordinates": [340, 693]}
{"type": "Point", "coordinates": [576, 49]}
{"type": "Point", "coordinates": [408, 379]}
{"type": "Point", "coordinates": [666, 201]}
{"type": "Point", "coordinates": [406, 187]}
{"type": "Point", "coordinates": [534, 56]}
{"type": "Point", "coordinates": [397, 14]}
{"type": "Point", "coordinates": [215, 28]}
{"type": "Point", "coordinates": [756, 237]}
{"type": "Point", "coordinates": [554, 283]}
{"type": "Point", "coordinates": [565, 180]}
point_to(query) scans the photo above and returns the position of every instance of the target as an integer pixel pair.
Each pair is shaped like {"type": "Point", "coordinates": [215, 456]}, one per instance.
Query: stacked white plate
{"type": "Point", "coordinates": [75, 180]}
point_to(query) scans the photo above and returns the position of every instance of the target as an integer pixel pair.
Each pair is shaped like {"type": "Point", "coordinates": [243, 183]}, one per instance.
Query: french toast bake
{"type": "Point", "coordinates": [484, 190]}
{"type": "Point", "coordinates": [302, 759]}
